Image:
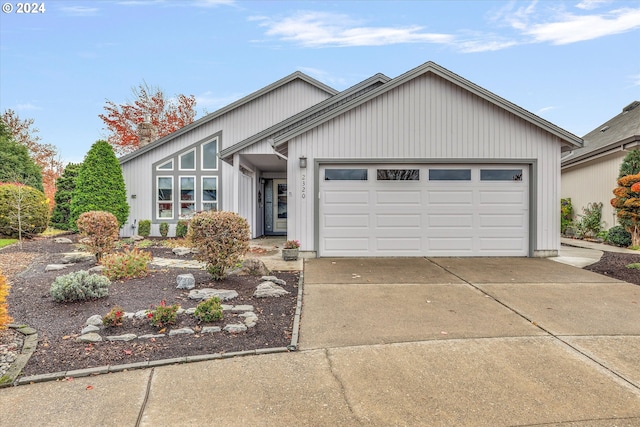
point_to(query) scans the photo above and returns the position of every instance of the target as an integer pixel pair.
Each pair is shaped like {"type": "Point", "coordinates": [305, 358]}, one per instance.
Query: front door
{"type": "Point", "coordinates": [280, 206]}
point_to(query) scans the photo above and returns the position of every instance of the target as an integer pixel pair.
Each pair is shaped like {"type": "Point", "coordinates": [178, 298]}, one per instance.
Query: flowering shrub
{"type": "Point", "coordinates": [5, 319]}
{"type": "Point", "coordinates": [209, 310]}
{"type": "Point", "coordinates": [163, 314]}
{"type": "Point", "coordinates": [79, 286]}
{"type": "Point", "coordinates": [292, 244]}
{"type": "Point", "coordinates": [114, 317]}
{"type": "Point", "coordinates": [101, 230]}
{"type": "Point", "coordinates": [127, 264]}
{"type": "Point", "coordinates": [221, 238]}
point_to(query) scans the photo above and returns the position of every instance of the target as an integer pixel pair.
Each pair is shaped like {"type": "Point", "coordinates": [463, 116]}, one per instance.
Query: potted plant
{"type": "Point", "coordinates": [290, 250]}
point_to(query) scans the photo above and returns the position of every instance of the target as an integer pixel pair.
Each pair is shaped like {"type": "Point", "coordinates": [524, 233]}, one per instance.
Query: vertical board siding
{"type": "Point", "coordinates": [429, 118]}
{"type": "Point", "coordinates": [593, 181]}
{"type": "Point", "coordinates": [236, 125]}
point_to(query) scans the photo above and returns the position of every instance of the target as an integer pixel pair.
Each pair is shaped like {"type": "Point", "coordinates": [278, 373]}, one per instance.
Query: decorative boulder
{"type": "Point", "coordinates": [206, 293]}
{"type": "Point", "coordinates": [186, 281]}
{"type": "Point", "coordinates": [269, 289]}
{"type": "Point", "coordinates": [181, 251]}
{"type": "Point", "coordinates": [251, 267]}
{"type": "Point", "coordinates": [62, 240]}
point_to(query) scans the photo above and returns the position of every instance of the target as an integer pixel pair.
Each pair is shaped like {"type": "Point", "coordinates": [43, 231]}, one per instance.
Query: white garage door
{"type": "Point", "coordinates": [423, 210]}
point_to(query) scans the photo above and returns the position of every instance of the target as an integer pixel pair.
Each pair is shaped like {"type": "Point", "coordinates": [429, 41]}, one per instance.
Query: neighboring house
{"type": "Point", "coordinates": [590, 174]}
{"type": "Point", "coordinates": [425, 164]}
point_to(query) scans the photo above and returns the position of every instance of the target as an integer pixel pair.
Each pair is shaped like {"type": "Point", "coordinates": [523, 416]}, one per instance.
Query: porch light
{"type": "Point", "coordinates": [303, 162]}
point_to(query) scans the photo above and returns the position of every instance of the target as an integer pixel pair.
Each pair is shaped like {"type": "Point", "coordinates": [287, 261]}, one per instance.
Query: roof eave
{"type": "Point", "coordinates": [621, 145]}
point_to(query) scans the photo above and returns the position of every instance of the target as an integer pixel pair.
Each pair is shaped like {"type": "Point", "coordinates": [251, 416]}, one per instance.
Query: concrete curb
{"type": "Point", "coordinates": [296, 318]}
{"type": "Point", "coordinates": [28, 347]}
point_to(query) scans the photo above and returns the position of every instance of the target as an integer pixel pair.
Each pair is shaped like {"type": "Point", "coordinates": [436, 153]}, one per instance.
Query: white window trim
{"type": "Point", "coordinates": [202, 201]}
{"type": "Point", "coordinates": [217, 141]}
{"type": "Point", "coordinates": [195, 160]}
{"type": "Point", "coordinates": [172, 201]}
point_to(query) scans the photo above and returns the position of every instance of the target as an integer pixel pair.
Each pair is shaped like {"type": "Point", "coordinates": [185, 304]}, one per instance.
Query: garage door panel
{"type": "Point", "coordinates": [347, 244]}
{"type": "Point", "coordinates": [516, 221]}
{"type": "Point", "coordinates": [514, 244]}
{"type": "Point", "coordinates": [394, 221]}
{"type": "Point", "coordinates": [451, 244]}
{"type": "Point", "coordinates": [399, 245]}
{"type": "Point", "coordinates": [346, 221]}
{"type": "Point", "coordinates": [345, 198]}
{"type": "Point", "coordinates": [450, 220]}
{"type": "Point", "coordinates": [396, 197]}
{"type": "Point", "coordinates": [453, 197]}
{"type": "Point", "coordinates": [504, 198]}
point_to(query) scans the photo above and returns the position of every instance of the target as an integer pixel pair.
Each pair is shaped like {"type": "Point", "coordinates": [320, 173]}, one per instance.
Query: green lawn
{"type": "Point", "coordinates": [7, 242]}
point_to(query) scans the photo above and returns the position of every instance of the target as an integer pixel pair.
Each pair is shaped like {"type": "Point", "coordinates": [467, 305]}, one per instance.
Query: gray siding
{"type": "Point", "coordinates": [429, 118]}
{"type": "Point", "coordinates": [235, 125]}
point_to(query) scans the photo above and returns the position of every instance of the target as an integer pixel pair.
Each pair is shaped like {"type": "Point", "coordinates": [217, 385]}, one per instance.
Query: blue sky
{"type": "Point", "coordinates": [574, 63]}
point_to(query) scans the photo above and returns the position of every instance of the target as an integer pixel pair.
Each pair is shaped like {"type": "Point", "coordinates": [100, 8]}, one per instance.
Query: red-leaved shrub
{"type": "Point", "coordinates": [101, 231]}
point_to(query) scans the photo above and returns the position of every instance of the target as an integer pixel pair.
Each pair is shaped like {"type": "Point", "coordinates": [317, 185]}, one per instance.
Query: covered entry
{"type": "Point", "coordinates": [423, 210]}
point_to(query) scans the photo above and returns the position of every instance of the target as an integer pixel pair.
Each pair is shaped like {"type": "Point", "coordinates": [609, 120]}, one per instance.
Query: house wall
{"type": "Point", "coordinates": [428, 119]}
{"type": "Point", "coordinates": [593, 181]}
{"type": "Point", "coordinates": [235, 125]}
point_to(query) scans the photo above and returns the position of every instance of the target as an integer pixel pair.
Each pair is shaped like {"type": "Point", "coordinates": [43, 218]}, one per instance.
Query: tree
{"type": "Point", "coordinates": [627, 205]}
{"type": "Point", "coordinates": [99, 186]}
{"type": "Point", "coordinates": [24, 211]}
{"type": "Point", "coordinates": [44, 155]}
{"type": "Point", "coordinates": [65, 185]}
{"type": "Point", "coordinates": [15, 163]}
{"type": "Point", "coordinates": [630, 164]}
{"type": "Point", "coordinates": [151, 105]}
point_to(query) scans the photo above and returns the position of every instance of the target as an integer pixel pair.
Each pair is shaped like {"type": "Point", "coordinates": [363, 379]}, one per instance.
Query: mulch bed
{"type": "Point", "coordinates": [614, 265]}
{"type": "Point", "coordinates": [59, 324]}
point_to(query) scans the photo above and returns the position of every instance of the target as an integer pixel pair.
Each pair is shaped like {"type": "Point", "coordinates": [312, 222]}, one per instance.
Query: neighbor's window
{"type": "Point", "coordinates": [500, 174]}
{"type": "Point", "coordinates": [449, 174]}
{"type": "Point", "coordinates": [345, 174]}
{"type": "Point", "coordinates": [165, 197]}
{"type": "Point", "coordinates": [210, 155]}
{"type": "Point", "coordinates": [188, 160]}
{"type": "Point", "coordinates": [209, 193]}
{"type": "Point", "coordinates": [398, 175]}
{"type": "Point", "coordinates": [187, 196]}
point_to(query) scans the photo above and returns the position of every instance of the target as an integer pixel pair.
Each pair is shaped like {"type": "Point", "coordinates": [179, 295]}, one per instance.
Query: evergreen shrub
{"type": "Point", "coordinates": [79, 286]}
{"type": "Point", "coordinates": [144, 228]}
{"type": "Point", "coordinates": [24, 209]}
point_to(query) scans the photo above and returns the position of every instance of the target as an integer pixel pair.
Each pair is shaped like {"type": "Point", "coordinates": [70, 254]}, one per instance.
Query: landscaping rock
{"type": "Point", "coordinates": [251, 267]}
{"type": "Point", "coordinates": [190, 310]}
{"type": "Point", "coordinates": [97, 269]}
{"type": "Point", "coordinates": [237, 308]}
{"type": "Point", "coordinates": [124, 337]}
{"type": "Point", "coordinates": [210, 329]}
{"type": "Point", "coordinates": [181, 251]}
{"type": "Point", "coordinates": [136, 238]}
{"type": "Point", "coordinates": [76, 257]}
{"type": "Point", "coordinates": [90, 337]}
{"type": "Point", "coordinates": [206, 293]}
{"type": "Point", "coordinates": [55, 267]}
{"type": "Point", "coordinates": [273, 279]}
{"type": "Point", "coordinates": [235, 328]}
{"type": "Point", "coordinates": [141, 314]}
{"type": "Point", "coordinates": [89, 328]}
{"type": "Point", "coordinates": [181, 331]}
{"type": "Point", "coordinates": [269, 289]}
{"type": "Point", "coordinates": [64, 240]}
{"type": "Point", "coordinates": [250, 319]}
{"type": "Point", "coordinates": [186, 281]}
{"type": "Point", "coordinates": [95, 320]}
{"type": "Point", "coordinates": [149, 336]}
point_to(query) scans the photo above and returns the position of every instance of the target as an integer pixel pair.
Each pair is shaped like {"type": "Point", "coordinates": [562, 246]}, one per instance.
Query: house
{"type": "Point", "coordinates": [589, 174]}
{"type": "Point", "coordinates": [424, 164]}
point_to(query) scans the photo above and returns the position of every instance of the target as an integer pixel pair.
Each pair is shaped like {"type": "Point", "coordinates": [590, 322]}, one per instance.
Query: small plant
{"type": "Point", "coordinates": [113, 317]}
{"type": "Point", "coordinates": [291, 244]}
{"type": "Point", "coordinates": [163, 314]}
{"type": "Point", "coordinates": [79, 286]}
{"type": "Point", "coordinates": [144, 228]}
{"type": "Point", "coordinates": [566, 215]}
{"type": "Point", "coordinates": [143, 244]}
{"type": "Point", "coordinates": [127, 264]}
{"type": "Point", "coordinates": [101, 230]}
{"type": "Point", "coordinates": [181, 228]}
{"type": "Point", "coordinates": [618, 236]}
{"type": "Point", "coordinates": [209, 310]}
{"type": "Point", "coordinates": [5, 319]}
{"type": "Point", "coordinates": [590, 223]}
{"type": "Point", "coordinates": [164, 229]}
{"type": "Point", "coordinates": [635, 265]}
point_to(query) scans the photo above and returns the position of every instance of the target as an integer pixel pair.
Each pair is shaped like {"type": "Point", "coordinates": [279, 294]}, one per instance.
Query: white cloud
{"type": "Point", "coordinates": [591, 4]}
{"type": "Point", "coordinates": [213, 3]}
{"type": "Point", "coordinates": [324, 76]}
{"type": "Point", "coordinates": [543, 110]}
{"type": "Point", "coordinates": [80, 10]}
{"type": "Point", "coordinates": [27, 107]}
{"type": "Point", "coordinates": [321, 29]}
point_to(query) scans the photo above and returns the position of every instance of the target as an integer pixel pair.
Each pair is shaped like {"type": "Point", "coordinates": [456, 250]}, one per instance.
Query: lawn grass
{"type": "Point", "coordinates": [53, 232]}
{"type": "Point", "coordinates": [7, 242]}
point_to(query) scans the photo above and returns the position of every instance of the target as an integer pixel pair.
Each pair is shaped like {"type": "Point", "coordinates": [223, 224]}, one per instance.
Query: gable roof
{"type": "Point", "coordinates": [308, 114]}
{"type": "Point", "coordinates": [622, 131]}
{"type": "Point", "coordinates": [432, 67]}
{"type": "Point", "coordinates": [209, 117]}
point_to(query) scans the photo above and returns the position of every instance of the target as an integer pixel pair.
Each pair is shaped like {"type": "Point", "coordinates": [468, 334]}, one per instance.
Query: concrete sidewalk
{"type": "Point", "coordinates": [442, 341]}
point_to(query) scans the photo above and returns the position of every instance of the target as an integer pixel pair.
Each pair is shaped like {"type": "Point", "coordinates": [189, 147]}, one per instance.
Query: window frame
{"type": "Point", "coordinates": [195, 160]}
{"type": "Point", "coordinates": [182, 201]}
{"type": "Point", "coordinates": [202, 151]}
{"type": "Point", "coordinates": [169, 202]}
{"type": "Point", "coordinates": [202, 189]}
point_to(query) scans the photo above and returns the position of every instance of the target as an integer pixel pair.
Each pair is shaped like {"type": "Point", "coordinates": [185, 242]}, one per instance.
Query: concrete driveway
{"type": "Point", "coordinates": [476, 341]}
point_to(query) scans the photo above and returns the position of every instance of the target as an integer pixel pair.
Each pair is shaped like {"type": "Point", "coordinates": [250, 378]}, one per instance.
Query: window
{"type": "Point", "coordinates": [210, 155]}
{"type": "Point", "coordinates": [187, 196]}
{"type": "Point", "coordinates": [500, 174]}
{"type": "Point", "coordinates": [345, 174]}
{"type": "Point", "coordinates": [188, 161]}
{"type": "Point", "coordinates": [398, 175]}
{"type": "Point", "coordinates": [165, 197]}
{"type": "Point", "coordinates": [449, 174]}
{"type": "Point", "coordinates": [209, 193]}
{"type": "Point", "coordinates": [168, 166]}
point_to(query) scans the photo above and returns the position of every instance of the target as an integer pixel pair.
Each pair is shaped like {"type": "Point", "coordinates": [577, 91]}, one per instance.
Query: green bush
{"type": "Point", "coordinates": [590, 222]}
{"type": "Point", "coordinates": [65, 185]}
{"type": "Point", "coordinates": [79, 286]}
{"type": "Point", "coordinates": [163, 314]}
{"type": "Point", "coordinates": [635, 265]}
{"type": "Point", "coordinates": [127, 264]}
{"type": "Point", "coordinates": [181, 228]}
{"type": "Point", "coordinates": [99, 185]}
{"type": "Point", "coordinates": [23, 211]}
{"type": "Point", "coordinates": [144, 228]}
{"type": "Point", "coordinates": [618, 236]}
{"type": "Point", "coordinates": [100, 230]}
{"type": "Point", "coordinates": [221, 238]}
{"type": "Point", "coordinates": [164, 229]}
{"type": "Point", "coordinates": [209, 310]}
{"type": "Point", "coordinates": [566, 215]}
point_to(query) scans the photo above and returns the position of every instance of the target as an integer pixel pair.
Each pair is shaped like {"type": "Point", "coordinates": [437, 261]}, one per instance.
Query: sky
{"type": "Point", "coordinates": [573, 63]}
